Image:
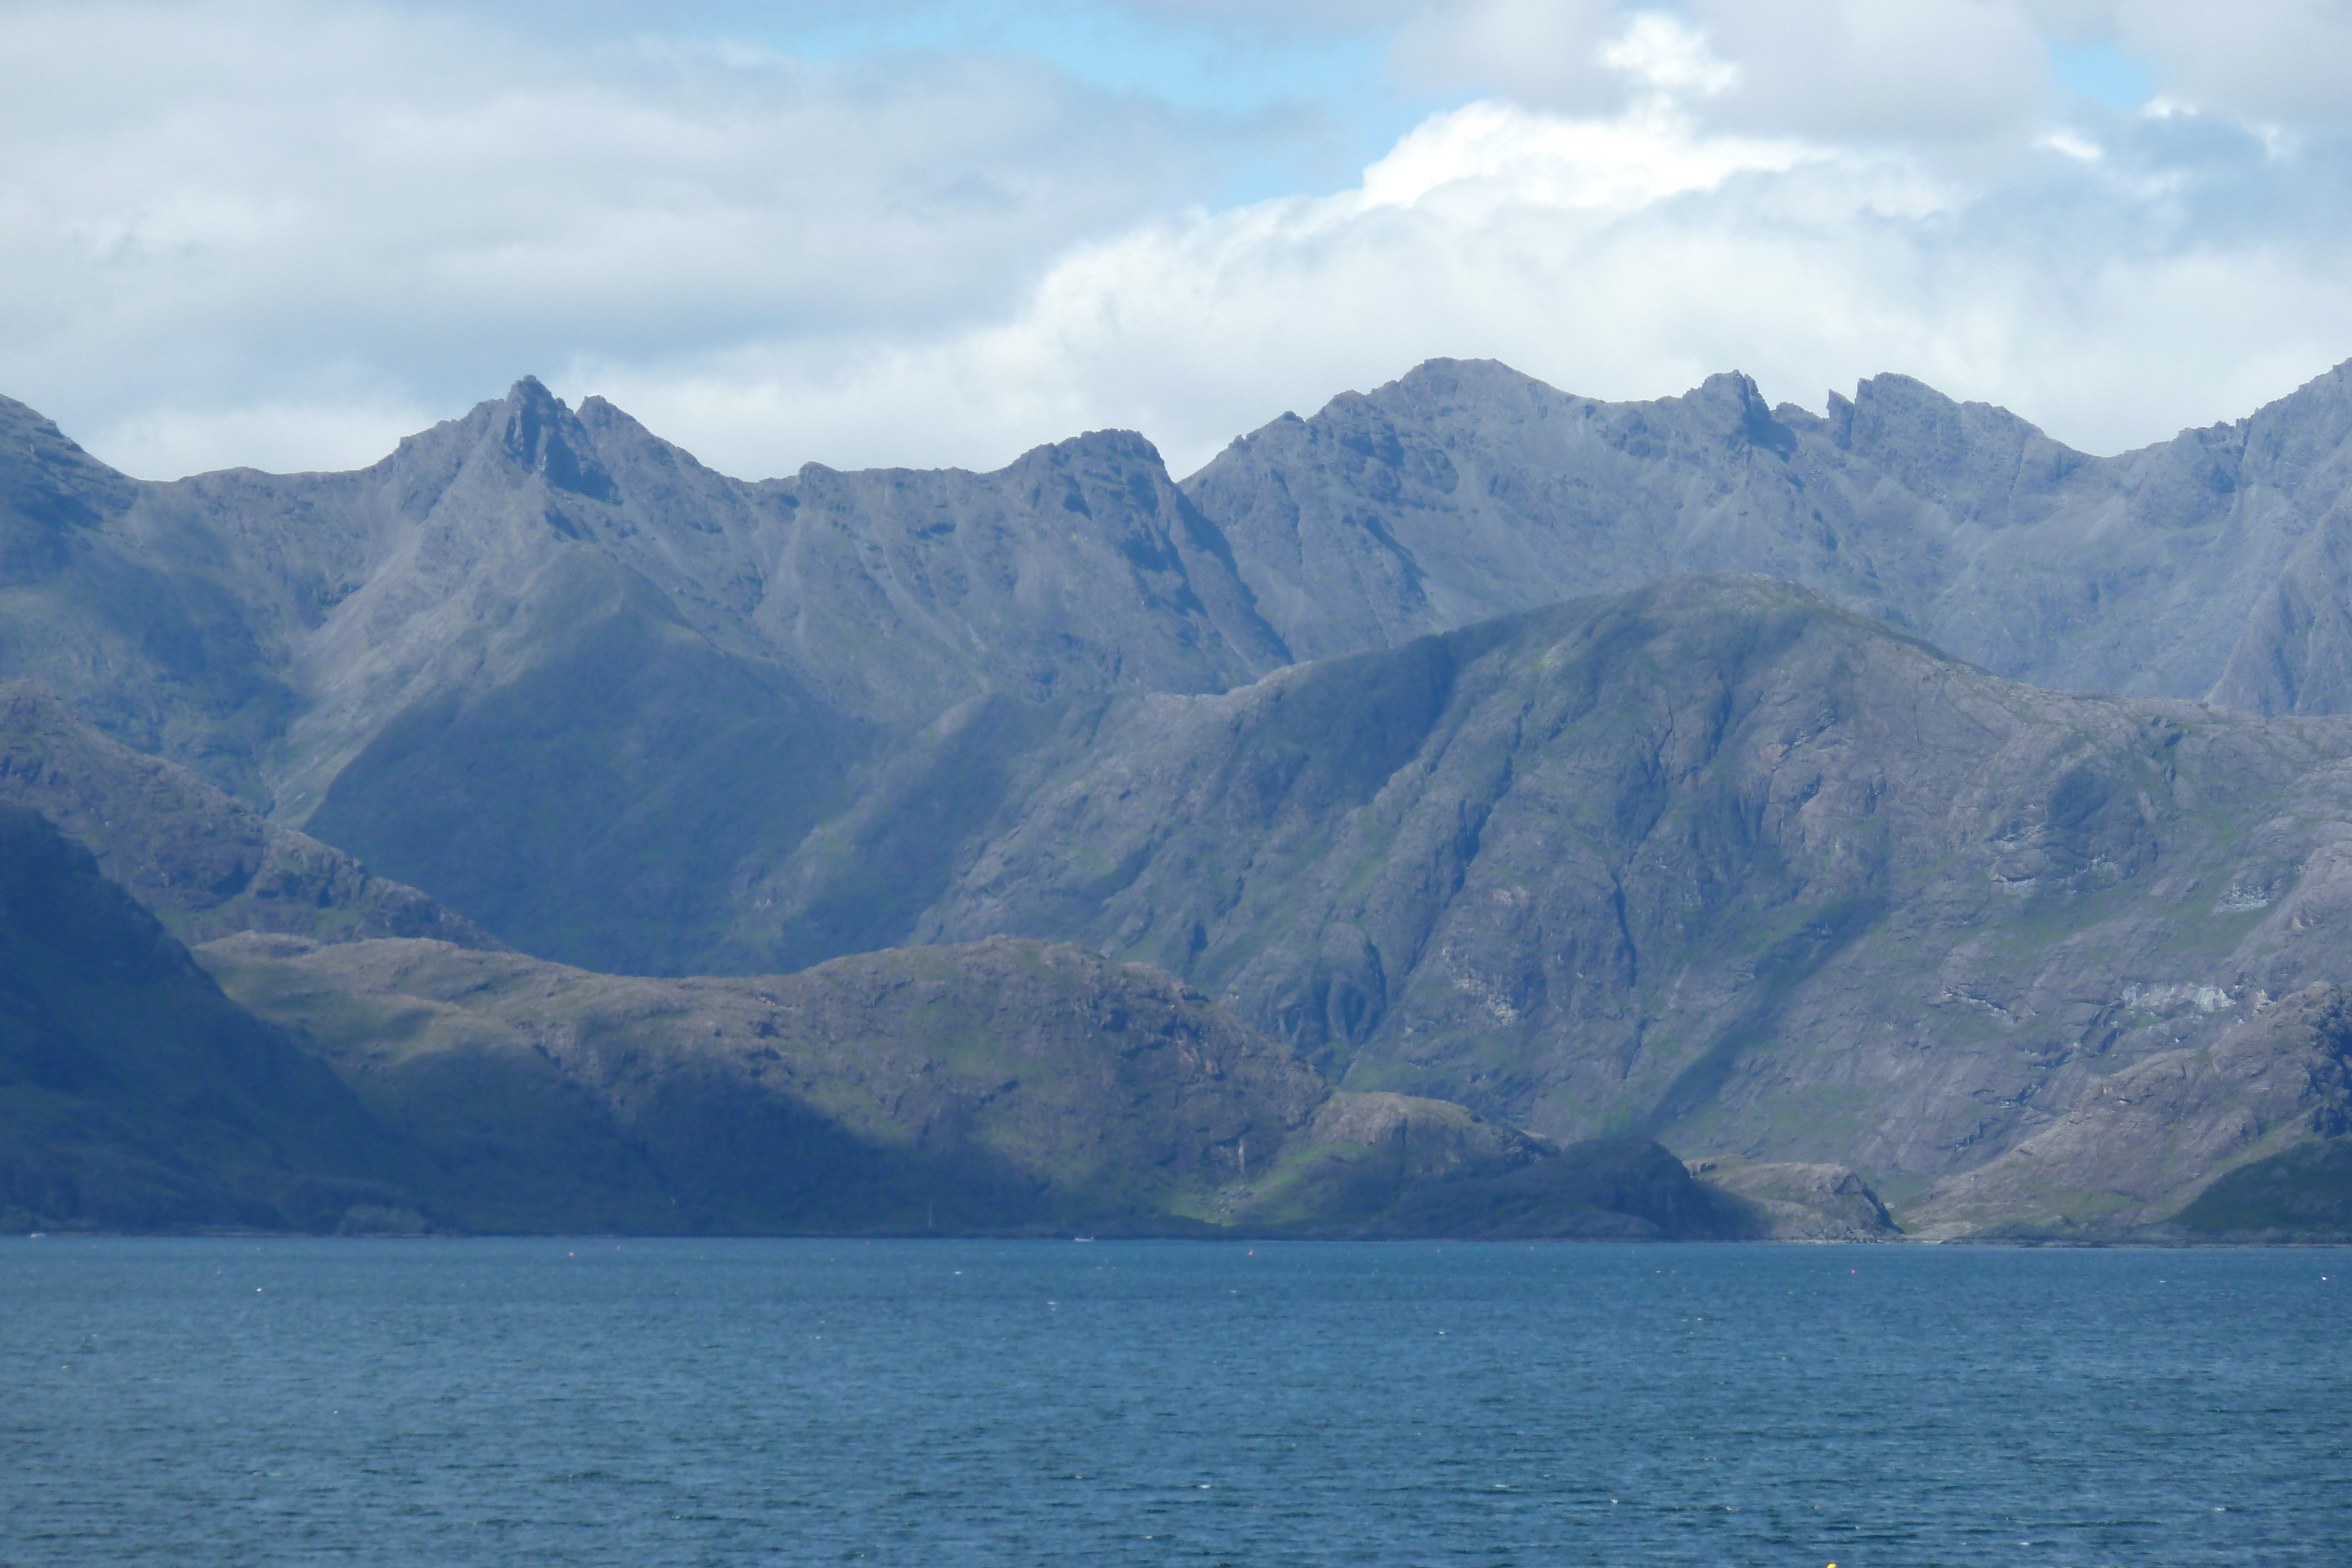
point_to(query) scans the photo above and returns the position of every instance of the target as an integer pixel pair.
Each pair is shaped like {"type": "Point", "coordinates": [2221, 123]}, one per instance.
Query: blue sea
{"type": "Point", "coordinates": [646, 1403]}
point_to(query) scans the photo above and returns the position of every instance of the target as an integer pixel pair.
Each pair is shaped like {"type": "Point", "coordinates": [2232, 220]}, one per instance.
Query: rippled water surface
{"type": "Point", "coordinates": [752, 1402]}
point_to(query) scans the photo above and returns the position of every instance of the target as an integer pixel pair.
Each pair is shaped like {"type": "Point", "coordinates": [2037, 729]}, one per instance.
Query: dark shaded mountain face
{"type": "Point", "coordinates": [200, 863]}
{"type": "Point", "coordinates": [1717, 863]}
{"type": "Point", "coordinates": [2214, 564]}
{"type": "Point", "coordinates": [133, 1096]}
{"type": "Point", "coordinates": [2301, 1194]}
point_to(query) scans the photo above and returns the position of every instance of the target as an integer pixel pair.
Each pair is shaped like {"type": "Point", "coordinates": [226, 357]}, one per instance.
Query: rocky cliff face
{"type": "Point", "coordinates": [1793, 1201]}
{"type": "Point", "coordinates": [2141, 1143]}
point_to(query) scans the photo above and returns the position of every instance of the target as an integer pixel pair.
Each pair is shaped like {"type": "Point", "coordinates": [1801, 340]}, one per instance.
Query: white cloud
{"type": "Point", "coordinates": [1542, 52]}
{"type": "Point", "coordinates": [1473, 160]}
{"type": "Point", "coordinates": [1626, 257]}
{"type": "Point", "coordinates": [1838, 68]}
{"type": "Point", "coordinates": [209, 210]}
{"type": "Point", "coordinates": [1660, 55]}
{"type": "Point", "coordinates": [284, 234]}
{"type": "Point", "coordinates": [1864, 69]}
{"type": "Point", "coordinates": [2280, 61]}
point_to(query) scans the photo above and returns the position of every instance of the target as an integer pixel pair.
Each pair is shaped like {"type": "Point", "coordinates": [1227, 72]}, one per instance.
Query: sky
{"type": "Point", "coordinates": [929, 232]}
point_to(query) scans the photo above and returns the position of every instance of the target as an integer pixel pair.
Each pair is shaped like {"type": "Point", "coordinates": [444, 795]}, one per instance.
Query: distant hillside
{"type": "Point", "coordinates": [1720, 863]}
{"type": "Point", "coordinates": [1005, 1086]}
{"type": "Point", "coordinates": [587, 693]}
{"type": "Point", "coordinates": [133, 1096]}
{"type": "Point", "coordinates": [411, 1082]}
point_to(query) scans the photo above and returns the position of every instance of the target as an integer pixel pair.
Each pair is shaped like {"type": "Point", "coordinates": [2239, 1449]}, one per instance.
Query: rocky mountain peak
{"type": "Point", "coordinates": [534, 428]}
{"type": "Point", "coordinates": [1458, 379]}
{"type": "Point", "coordinates": [1733, 396]}
{"type": "Point", "coordinates": [1929, 438]}
{"type": "Point", "coordinates": [1103, 445]}
{"type": "Point", "coordinates": [47, 480]}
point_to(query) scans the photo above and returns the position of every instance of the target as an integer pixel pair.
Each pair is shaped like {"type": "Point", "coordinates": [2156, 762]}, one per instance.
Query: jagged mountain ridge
{"type": "Point", "coordinates": [2212, 565]}
{"type": "Point", "coordinates": [342, 598]}
{"type": "Point", "coordinates": [612, 705]}
{"type": "Point", "coordinates": [569, 678]}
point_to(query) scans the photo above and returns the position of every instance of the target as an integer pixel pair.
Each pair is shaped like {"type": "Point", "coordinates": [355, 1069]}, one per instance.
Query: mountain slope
{"type": "Point", "coordinates": [1715, 861]}
{"type": "Point", "coordinates": [134, 1095]}
{"type": "Point", "coordinates": [993, 1087]}
{"type": "Point", "coordinates": [1007, 1087]}
{"type": "Point", "coordinates": [200, 863]}
{"type": "Point", "coordinates": [1465, 490]}
{"type": "Point", "coordinates": [2146, 1139]}
{"type": "Point", "coordinates": [555, 670]}
{"type": "Point", "coordinates": [629, 713]}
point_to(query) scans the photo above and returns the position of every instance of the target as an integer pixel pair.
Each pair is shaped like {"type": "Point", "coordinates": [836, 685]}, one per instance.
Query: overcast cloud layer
{"type": "Point", "coordinates": [937, 233]}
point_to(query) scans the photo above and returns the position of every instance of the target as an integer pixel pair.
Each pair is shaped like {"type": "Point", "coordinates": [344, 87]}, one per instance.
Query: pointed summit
{"type": "Point", "coordinates": [539, 433]}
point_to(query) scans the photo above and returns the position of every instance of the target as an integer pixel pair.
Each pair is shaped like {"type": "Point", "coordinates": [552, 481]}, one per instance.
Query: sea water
{"type": "Point", "coordinates": [648, 1402]}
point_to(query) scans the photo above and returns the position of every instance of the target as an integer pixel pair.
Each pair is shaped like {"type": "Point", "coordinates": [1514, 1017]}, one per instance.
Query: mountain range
{"type": "Point", "coordinates": [1897, 789]}
{"type": "Point", "coordinates": [341, 1053]}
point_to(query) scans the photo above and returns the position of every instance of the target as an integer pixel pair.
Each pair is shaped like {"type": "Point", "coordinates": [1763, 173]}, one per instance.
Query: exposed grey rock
{"type": "Point", "coordinates": [2296, 654]}
{"type": "Point", "coordinates": [623, 710]}
{"type": "Point", "coordinates": [2141, 1143]}
{"type": "Point", "coordinates": [569, 679]}
{"type": "Point", "coordinates": [1466, 490]}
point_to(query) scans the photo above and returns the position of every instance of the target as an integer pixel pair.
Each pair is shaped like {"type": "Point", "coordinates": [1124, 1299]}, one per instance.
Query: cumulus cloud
{"type": "Point", "coordinates": [1845, 69]}
{"type": "Point", "coordinates": [2285, 60]}
{"type": "Point", "coordinates": [207, 209]}
{"type": "Point", "coordinates": [2115, 279]}
{"type": "Point", "coordinates": [250, 230]}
